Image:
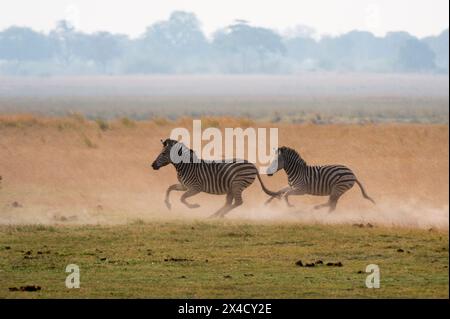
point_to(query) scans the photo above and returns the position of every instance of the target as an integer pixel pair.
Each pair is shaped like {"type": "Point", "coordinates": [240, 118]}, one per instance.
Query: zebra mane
{"type": "Point", "coordinates": [191, 151]}
{"type": "Point", "coordinates": [290, 153]}
{"type": "Point", "coordinates": [170, 142]}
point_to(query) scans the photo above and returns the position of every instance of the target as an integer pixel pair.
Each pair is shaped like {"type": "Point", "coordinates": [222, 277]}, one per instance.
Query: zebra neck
{"type": "Point", "coordinates": [294, 168]}
{"type": "Point", "coordinates": [187, 163]}
{"type": "Point", "coordinates": [188, 157]}
{"type": "Point", "coordinates": [181, 167]}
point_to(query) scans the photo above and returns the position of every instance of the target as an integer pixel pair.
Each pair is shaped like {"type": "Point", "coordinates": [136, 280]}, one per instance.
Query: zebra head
{"type": "Point", "coordinates": [285, 158]}
{"type": "Point", "coordinates": [277, 162]}
{"type": "Point", "coordinates": [172, 152]}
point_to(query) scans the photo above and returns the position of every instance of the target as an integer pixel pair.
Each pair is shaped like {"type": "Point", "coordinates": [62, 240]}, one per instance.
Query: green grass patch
{"type": "Point", "coordinates": [222, 260]}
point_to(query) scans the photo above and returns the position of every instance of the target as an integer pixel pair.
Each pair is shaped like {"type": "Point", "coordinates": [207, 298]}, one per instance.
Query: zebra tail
{"type": "Point", "coordinates": [363, 191]}
{"type": "Point", "coordinates": [268, 192]}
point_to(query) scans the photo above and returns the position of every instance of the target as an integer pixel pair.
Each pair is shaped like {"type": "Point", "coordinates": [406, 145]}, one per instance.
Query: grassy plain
{"type": "Point", "coordinates": [222, 259]}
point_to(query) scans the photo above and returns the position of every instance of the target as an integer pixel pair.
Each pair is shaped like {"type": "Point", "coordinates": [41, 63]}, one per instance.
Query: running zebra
{"type": "Point", "coordinates": [332, 180]}
{"type": "Point", "coordinates": [228, 177]}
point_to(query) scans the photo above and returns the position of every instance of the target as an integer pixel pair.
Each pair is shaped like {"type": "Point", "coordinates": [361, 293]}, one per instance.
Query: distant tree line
{"type": "Point", "coordinates": [178, 45]}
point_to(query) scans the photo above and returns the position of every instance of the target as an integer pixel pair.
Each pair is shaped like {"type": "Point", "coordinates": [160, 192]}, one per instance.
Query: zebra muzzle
{"type": "Point", "coordinates": [155, 166]}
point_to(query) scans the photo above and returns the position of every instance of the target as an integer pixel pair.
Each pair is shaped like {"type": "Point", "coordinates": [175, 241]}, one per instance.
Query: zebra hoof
{"type": "Point", "coordinates": [168, 205]}
{"type": "Point", "coordinates": [194, 206]}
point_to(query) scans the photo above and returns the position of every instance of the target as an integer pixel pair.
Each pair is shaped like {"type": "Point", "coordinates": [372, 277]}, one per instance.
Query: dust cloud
{"type": "Point", "coordinates": [385, 214]}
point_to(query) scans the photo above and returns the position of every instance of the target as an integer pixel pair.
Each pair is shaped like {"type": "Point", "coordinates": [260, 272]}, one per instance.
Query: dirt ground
{"type": "Point", "coordinates": [74, 171]}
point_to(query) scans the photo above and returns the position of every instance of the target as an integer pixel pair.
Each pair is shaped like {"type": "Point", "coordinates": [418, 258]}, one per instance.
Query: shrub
{"type": "Point", "coordinates": [127, 122]}
{"type": "Point", "coordinates": [245, 123]}
{"type": "Point", "coordinates": [102, 124]}
{"type": "Point", "coordinates": [210, 122]}
{"type": "Point", "coordinates": [77, 117]}
{"type": "Point", "coordinates": [88, 142]}
{"type": "Point", "coordinates": [161, 121]}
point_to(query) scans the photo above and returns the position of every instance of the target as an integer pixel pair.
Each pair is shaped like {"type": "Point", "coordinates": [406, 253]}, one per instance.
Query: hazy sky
{"type": "Point", "coordinates": [419, 17]}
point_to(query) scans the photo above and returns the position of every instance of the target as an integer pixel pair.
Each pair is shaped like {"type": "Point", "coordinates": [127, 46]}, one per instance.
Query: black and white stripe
{"type": "Point", "coordinates": [328, 180]}
{"type": "Point", "coordinates": [230, 177]}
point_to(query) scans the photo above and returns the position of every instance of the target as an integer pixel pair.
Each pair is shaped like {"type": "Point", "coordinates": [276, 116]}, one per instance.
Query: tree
{"type": "Point", "coordinates": [355, 51]}
{"type": "Point", "coordinates": [439, 45]}
{"type": "Point", "coordinates": [72, 46]}
{"type": "Point", "coordinates": [175, 45]}
{"type": "Point", "coordinates": [63, 37]}
{"type": "Point", "coordinates": [415, 56]}
{"type": "Point", "coordinates": [101, 47]}
{"type": "Point", "coordinates": [247, 41]}
{"type": "Point", "coordinates": [178, 45]}
{"type": "Point", "coordinates": [23, 44]}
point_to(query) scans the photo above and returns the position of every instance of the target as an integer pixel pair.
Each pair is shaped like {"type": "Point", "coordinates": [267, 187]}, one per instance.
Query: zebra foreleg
{"type": "Point", "coordinates": [281, 191]}
{"type": "Point", "coordinates": [189, 193]}
{"type": "Point", "coordinates": [175, 187]}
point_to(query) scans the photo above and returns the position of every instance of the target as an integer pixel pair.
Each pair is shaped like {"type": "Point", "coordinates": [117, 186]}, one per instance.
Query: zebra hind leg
{"type": "Point", "coordinates": [237, 202]}
{"type": "Point", "coordinates": [236, 192]}
{"type": "Point", "coordinates": [267, 202]}
{"type": "Point", "coordinates": [286, 199]}
{"type": "Point", "coordinates": [332, 202]}
{"type": "Point", "coordinates": [334, 197]}
{"type": "Point", "coordinates": [281, 191]}
{"type": "Point", "coordinates": [336, 193]}
{"type": "Point", "coordinates": [225, 207]}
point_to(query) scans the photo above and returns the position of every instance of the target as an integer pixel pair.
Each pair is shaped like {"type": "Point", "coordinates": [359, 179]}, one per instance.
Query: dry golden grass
{"type": "Point", "coordinates": [70, 167]}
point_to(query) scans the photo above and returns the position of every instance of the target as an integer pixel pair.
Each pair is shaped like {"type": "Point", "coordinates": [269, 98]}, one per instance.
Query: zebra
{"type": "Point", "coordinates": [230, 177]}
{"type": "Point", "coordinates": [332, 180]}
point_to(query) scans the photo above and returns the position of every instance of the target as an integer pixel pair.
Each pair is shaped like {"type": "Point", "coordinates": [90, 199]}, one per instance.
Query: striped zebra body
{"type": "Point", "coordinates": [216, 177]}
{"type": "Point", "coordinates": [230, 177]}
{"type": "Point", "coordinates": [322, 180]}
{"type": "Point", "coordinates": [328, 180]}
